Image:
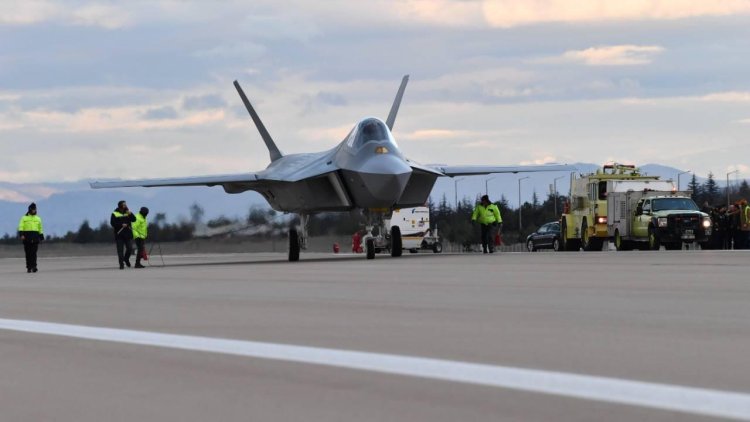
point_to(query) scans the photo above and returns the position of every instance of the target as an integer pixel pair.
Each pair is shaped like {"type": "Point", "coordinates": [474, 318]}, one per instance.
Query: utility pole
{"type": "Point", "coordinates": [520, 224]}
{"type": "Point", "coordinates": [486, 190]}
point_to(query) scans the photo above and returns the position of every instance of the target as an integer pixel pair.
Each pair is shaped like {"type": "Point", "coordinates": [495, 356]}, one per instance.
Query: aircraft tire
{"type": "Point", "coordinates": [293, 245]}
{"type": "Point", "coordinates": [397, 248]}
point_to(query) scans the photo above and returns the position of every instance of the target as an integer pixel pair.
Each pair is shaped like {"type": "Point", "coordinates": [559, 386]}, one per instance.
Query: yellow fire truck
{"type": "Point", "coordinates": [584, 220]}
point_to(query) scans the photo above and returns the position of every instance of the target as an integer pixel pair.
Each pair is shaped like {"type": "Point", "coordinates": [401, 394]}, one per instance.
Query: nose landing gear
{"type": "Point", "coordinates": [384, 240]}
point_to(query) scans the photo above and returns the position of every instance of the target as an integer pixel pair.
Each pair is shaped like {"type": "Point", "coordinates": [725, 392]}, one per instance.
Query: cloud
{"type": "Point", "coordinates": [27, 12]}
{"type": "Point", "coordinates": [614, 55]}
{"type": "Point", "coordinates": [330, 98]}
{"type": "Point", "coordinates": [203, 102]}
{"type": "Point", "coordinates": [322, 99]}
{"type": "Point", "coordinates": [101, 15]}
{"type": "Point", "coordinates": [244, 50]}
{"type": "Point", "coordinates": [441, 12]}
{"type": "Point", "coordinates": [728, 97]}
{"type": "Point", "coordinates": [510, 13]}
{"type": "Point", "coordinates": [435, 134]}
{"type": "Point", "coordinates": [549, 159]}
{"type": "Point", "coordinates": [13, 196]}
{"type": "Point", "coordinates": [742, 168]}
{"type": "Point", "coordinates": [161, 113]}
{"type": "Point", "coordinates": [30, 12]}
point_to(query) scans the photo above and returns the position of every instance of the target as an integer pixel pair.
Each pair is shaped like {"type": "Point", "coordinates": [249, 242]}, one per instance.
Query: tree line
{"type": "Point", "coordinates": [453, 222]}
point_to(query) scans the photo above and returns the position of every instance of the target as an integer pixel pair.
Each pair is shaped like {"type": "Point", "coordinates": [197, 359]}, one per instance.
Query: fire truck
{"type": "Point", "coordinates": [584, 222]}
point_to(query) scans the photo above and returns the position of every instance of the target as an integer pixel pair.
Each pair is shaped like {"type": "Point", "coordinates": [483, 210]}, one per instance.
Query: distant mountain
{"type": "Point", "coordinates": [64, 206]}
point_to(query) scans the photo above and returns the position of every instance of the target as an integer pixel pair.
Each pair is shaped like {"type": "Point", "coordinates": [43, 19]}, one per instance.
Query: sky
{"type": "Point", "coordinates": [144, 89]}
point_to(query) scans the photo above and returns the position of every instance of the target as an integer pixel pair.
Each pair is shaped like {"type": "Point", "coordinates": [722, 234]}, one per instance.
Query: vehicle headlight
{"type": "Point", "coordinates": [662, 221]}
{"type": "Point", "coordinates": [706, 222]}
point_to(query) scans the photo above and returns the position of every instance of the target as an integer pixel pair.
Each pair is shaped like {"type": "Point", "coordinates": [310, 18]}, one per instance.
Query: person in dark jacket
{"type": "Point", "coordinates": [31, 233]}
{"type": "Point", "coordinates": [121, 221]}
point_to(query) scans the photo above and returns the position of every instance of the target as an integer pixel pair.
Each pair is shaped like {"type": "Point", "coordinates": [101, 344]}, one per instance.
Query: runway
{"type": "Point", "coordinates": [519, 337]}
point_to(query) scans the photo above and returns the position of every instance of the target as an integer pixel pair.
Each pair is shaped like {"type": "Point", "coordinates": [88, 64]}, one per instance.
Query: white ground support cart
{"type": "Point", "coordinates": [416, 233]}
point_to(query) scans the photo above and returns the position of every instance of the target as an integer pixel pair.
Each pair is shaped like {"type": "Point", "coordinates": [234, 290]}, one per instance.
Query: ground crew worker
{"type": "Point", "coordinates": [31, 234]}
{"type": "Point", "coordinates": [121, 221]}
{"type": "Point", "coordinates": [140, 232]}
{"type": "Point", "coordinates": [488, 216]}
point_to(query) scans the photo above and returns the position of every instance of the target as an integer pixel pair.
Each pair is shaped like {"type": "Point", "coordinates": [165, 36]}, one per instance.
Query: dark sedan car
{"type": "Point", "coordinates": [547, 236]}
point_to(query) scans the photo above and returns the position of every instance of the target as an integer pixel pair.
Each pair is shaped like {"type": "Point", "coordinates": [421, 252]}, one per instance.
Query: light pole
{"type": "Point", "coordinates": [678, 178]}
{"type": "Point", "coordinates": [520, 224]}
{"type": "Point", "coordinates": [554, 183]}
{"type": "Point", "coordinates": [487, 191]}
{"type": "Point", "coordinates": [731, 172]}
{"type": "Point", "coordinates": [455, 188]}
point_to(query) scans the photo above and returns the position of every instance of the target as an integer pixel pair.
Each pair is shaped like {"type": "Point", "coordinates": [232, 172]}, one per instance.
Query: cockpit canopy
{"type": "Point", "coordinates": [368, 130]}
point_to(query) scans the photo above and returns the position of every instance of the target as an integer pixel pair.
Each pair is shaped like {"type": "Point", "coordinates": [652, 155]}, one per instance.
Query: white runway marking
{"type": "Point", "coordinates": [660, 396]}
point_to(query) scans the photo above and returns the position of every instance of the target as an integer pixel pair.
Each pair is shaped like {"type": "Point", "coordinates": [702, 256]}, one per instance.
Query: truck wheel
{"type": "Point", "coordinates": [621, 245]}
{"type": "Point", "coordinates": [437, 248]}
{"type": "Point", "coordinates": [654, 243]}
{"type": "Point", "coordinates": [370, 248]}
{"type": "Point", "coordinates": [530, 246]}
{"type": "Point", "coordinates": [412, 250]}
{"type": "Point", "coordinates": [589, 243]}
{"type": "Point", "coordinates": [567, 243]}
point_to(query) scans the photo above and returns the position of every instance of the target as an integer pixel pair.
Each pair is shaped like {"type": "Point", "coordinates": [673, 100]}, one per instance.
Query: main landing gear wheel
{"type": "Point", "coordinates": [396, 244]}
{"type": "Point", "coordinates": [293, 245]}
{"type": "Point", "coordinates": [370, 248]}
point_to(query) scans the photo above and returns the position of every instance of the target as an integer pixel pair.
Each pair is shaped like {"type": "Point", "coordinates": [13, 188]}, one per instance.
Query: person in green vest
{"type": "Point", "coordinates": [31, 233]}
{"type": "Point", "coordinates": [488, 216]}
{"type": "Point", "coordinates": [121, 221]}
{"type": "Point", "coordinates": [140, 233]}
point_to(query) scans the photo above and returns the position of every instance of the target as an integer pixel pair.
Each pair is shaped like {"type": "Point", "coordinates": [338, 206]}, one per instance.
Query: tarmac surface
{"type": "Point", "coordinates": [677, 318]}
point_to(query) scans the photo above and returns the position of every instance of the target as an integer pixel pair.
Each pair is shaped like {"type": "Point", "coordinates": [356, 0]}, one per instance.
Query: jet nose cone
{"type": "Point", "coordinates": [386, 177]}
{"type": "Point", "coordinates": [380, 181]}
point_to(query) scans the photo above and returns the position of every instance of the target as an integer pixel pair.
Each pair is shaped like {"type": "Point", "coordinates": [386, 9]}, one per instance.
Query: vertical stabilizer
{"type": "Point", "coordinates": [272, 148]}
{"type": "Point", "coordinates": [396, 103]}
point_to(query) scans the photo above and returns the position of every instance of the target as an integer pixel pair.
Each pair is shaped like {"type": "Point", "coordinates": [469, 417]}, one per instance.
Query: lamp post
{"type": "Point", "coordinates": [731, 172]}
{"type": "Point", "coordinates": [520, 224]}
{"type": "Point", "coordinates": [487, 191]}
{"type": "Point", "coordinates": [678, 178]}
{"type": "Point", "coordinates": [554, 183]}
{"type": "Point", "coordinates": [455, 188]}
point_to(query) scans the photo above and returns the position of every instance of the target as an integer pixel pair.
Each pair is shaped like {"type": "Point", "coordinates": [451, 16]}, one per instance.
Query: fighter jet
{"type": "Point", "coordinates": [366, 171]}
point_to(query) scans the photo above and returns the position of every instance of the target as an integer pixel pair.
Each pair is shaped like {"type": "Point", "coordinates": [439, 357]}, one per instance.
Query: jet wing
{"type": "Point", "coordinates": [479, 170]}
{"type": "Point", "coordinates": [249, 180]}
